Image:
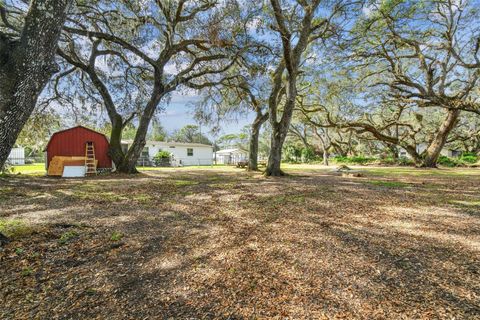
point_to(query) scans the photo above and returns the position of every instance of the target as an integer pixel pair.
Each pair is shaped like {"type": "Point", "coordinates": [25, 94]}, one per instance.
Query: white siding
{"type": "Point", "coordinates": [202, 155]}
{"type": "Point", "coordinates": [17, 156]}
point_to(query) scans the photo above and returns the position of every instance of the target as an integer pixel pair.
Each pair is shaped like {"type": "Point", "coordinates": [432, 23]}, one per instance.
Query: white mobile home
{"type": "Point", "coordinates": [16, 156]}
{"type": "Point", "coordinates": [183, 153]}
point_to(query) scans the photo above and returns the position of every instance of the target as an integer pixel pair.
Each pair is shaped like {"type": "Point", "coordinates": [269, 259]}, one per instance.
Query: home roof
{"type": "Point", "coordinates": [225, 151]}
{"type": "Point", "coordinates": [171, 143]}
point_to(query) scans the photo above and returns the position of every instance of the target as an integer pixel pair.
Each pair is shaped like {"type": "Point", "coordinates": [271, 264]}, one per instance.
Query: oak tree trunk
{"type": "Point", "coordinates": [26, 65]}
{"type": "Point", "coordinates": [412, 151]}
{"type": "Point", "coordinates": [115, 151]}
{"type": "Point", "coordinates": [325, 157]}
{"type": "Point", "coordinates": [436, 145]}
{"type": "Point", "coordinates": [130, 161]}
{"type": "Point", "coordinates": [279, 133]}
{"type": "Point", "coordinates": [393, 151]}
{"type": "Point", "coordinates": [253, 150]}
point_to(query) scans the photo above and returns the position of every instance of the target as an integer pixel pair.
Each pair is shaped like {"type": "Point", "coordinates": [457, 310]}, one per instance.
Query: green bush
{"type": "Point", "coordinates": [448, 162]}
{"type": "Point", "coordinates": [469, 157]}
{"type": "Point", "coordinates": [362, 160]}
{"type": "Point", "coordinates": [404, 161]}
{"type": "Point", "coordinates": [162, 158]}
{"type": "Point", "coordinates": [388, 161]}
{"type": "Point", "coordinates": [292, 154]}
{"type": "Point", "coordinates": [307, 155]}
{"type": "Point", "coordinates": [354, 160]}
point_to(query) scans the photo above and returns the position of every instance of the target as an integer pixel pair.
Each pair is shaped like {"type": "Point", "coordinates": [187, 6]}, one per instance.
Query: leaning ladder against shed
{"type": "Point", "coordinates": [90, 163]}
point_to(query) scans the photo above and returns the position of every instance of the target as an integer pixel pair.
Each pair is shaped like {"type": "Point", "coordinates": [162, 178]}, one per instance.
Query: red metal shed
{"type": "Point", "coordinates": [71, 143]}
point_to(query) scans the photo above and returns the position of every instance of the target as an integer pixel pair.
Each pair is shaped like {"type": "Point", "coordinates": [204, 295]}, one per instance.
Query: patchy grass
{"type": "Point", "coordinates": [5, 192]}
{"type": "Point", "coordinates": [421, 172]}
{"type": "Point", "coordinates": [28, 271]}
{"type": "Point", "coordinates": [68, 236]}
{"type": "Point", "coordinates": [223, 243]}
{"type": "Point", "coordinates": [15, 228]}
{"type": "Point", "coordinates": [466, 203]}
{"type": "Point", "coordinates": [182, 183]}
{"type": "Point", "coordinates": [389, 184]}
{"type": "Point", "coordinates": [116, 236]}
{"type": "Point", "coordinates": [34, 168]}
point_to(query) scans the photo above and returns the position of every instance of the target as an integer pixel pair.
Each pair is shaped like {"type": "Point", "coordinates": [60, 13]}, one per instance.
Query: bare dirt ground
{"type": "Point", "coordinates": [213, 244]}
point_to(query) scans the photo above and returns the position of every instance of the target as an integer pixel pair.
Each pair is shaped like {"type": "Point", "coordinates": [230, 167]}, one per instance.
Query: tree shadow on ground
{"type": "Point", "coordinates": [225, 245]}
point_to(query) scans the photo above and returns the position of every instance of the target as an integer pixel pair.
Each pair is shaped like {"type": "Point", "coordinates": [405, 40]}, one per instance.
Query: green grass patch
{"type": "Point", "coordinates": [142, 198]}
{"type": "Point", "coordinates": [223, 185]}
{"type": "Point", "coordinates": [466, 203]}
{"type": "Point", "coordinates": [92, 192]}
{"type": "Point", "coordinates": [182, 183]}
{"type": "Point", "coordinates": [15, 228]}
{"type": "Point", "coordinates": [116, 236]}
{"type": "Point", "coordinates": [27, 272]}
{"type": "Point", "coordinates": [68, 236]}
{"type": "Point", "coordinates": [361, 160]}
{"type": "Point", "coordinates": [29, 168]}
{"type": "Point", "coordinates": [421, 172]}
{"type": "Point", "coordinates": [99, 196]}
{"type": "Point", "coordinates": [6, 192]}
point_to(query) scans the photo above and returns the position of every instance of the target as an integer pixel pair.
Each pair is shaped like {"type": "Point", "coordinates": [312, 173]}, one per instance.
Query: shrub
{"type": "Point", "coordinates": [354, 160]}
{"type": "Point", "coordinates": [340, 159]}
{"type": "Point", "coordinates": [162, 158]}
{"type": "Point", "coordinates": [387, 161]}
{"type": "Point", "coordinates": [404, 161]}
{"type": "Point", "coordinates": [448, 162]}
{"type": "Point", "coordinates": [307, 155]}
{"type": "Point", "coordinates": [469, 157]}
{"type": "Point", "coordinates": [362, 160]}
{"type": "Point", "coordinates": [292, 154]}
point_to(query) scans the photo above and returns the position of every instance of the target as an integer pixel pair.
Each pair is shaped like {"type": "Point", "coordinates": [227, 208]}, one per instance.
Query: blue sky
{"type": "Point", "coordinates": [179, 112]}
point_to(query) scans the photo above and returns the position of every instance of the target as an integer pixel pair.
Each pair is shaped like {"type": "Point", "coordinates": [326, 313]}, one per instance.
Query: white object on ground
{"type": "Point", "coordinates": [73, 171]}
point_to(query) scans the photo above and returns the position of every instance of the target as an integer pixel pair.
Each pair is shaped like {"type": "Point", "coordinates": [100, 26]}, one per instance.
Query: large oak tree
{"type": "Point", "coordinates": [28, 43]}
{"type": "Point", "coordinates": [174, 43]}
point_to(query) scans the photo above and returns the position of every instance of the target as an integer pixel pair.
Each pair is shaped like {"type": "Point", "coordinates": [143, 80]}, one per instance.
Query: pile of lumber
{"type": "Point", "coordinates": [55, 168]}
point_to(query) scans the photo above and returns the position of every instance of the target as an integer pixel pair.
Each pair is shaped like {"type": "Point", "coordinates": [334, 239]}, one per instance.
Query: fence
{"type": "Point", "coordinates": [173, 162]}
{"type": "Point", "coordinates": [142, 162]}
{"type": "Point", "coordinates": [19, 161]}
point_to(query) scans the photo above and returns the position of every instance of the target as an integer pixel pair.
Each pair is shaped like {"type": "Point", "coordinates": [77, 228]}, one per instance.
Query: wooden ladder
{"type": "Point", "coordinates": [90, 163]}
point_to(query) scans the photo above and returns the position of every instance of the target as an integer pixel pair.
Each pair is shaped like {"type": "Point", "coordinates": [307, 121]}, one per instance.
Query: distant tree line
{"type": "Point", "coordinates": [340, 77]}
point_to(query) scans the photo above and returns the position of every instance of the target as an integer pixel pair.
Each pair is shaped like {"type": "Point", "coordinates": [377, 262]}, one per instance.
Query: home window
{"type": "Point", "coordinates": [189, 152]}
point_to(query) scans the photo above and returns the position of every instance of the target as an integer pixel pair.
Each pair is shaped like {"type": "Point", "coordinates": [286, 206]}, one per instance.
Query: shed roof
{"type": "Point", "coordinates": [69, 129]}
